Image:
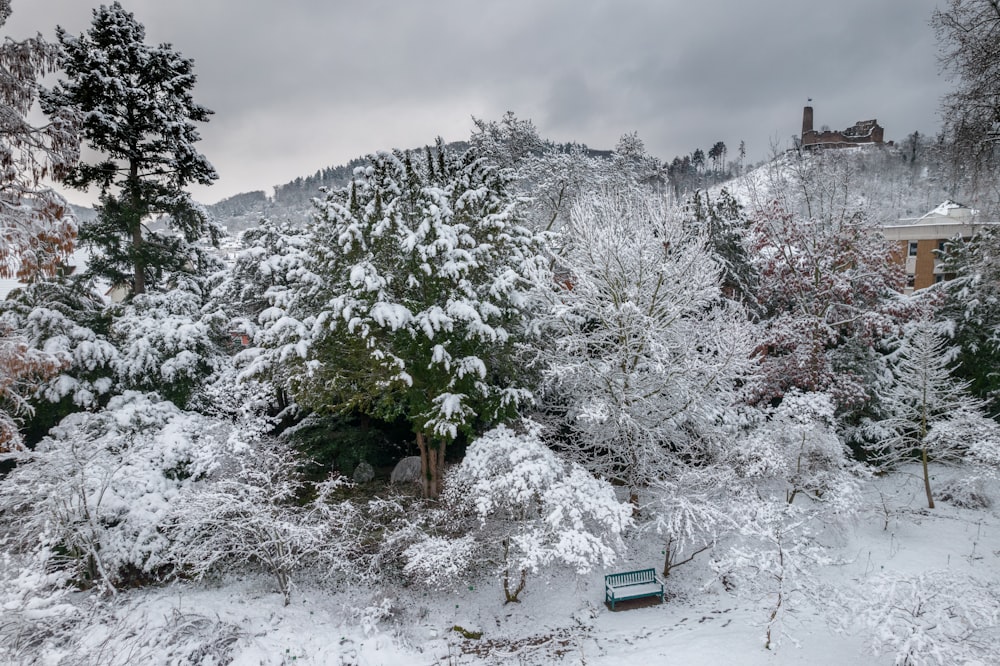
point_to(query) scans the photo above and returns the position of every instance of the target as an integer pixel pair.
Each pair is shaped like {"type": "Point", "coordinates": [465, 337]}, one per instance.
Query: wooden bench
{"type": "Point", "coordinates": [632, 585]}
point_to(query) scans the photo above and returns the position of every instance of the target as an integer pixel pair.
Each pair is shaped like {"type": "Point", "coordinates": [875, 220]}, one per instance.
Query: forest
{"type": "Point", "coordinates": [483, 375]}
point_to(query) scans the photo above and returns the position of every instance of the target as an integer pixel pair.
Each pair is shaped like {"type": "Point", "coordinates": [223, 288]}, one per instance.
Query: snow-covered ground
{"type": "Point", "coordinates": [951, 554]}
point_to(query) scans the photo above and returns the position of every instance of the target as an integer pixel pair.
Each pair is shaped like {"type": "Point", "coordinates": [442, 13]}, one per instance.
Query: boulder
{"type": "Point", "coordinates": [407, 470]}
{"type": "Point", "coordinates": [363, 473]}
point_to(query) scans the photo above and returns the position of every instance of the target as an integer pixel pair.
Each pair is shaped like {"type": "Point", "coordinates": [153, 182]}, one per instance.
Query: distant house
{"type": "Point", "coordinates": [863, 132]}
{"type": "Point", "coordinates": [922, 241]}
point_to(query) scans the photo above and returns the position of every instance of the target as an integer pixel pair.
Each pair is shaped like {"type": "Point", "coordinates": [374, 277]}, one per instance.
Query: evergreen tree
{"type": "Point", "coordinates": [971, 312]}
{"type": "Point", "coordinates": [136, 110]}
{"type": "Point", "coordinates": [412, 305]}
{"type": "Point", "coordinates": [931, 414]}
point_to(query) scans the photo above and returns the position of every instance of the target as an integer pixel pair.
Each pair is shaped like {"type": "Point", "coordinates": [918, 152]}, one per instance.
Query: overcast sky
{"type": "Point", "coordinates": [303, 84]}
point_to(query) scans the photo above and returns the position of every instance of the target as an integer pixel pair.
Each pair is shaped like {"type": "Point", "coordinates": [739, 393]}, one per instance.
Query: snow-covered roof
{"type": "Point", "coordinates": [947, 212]}
{"type": "Point", "coordinates": [947, 220]}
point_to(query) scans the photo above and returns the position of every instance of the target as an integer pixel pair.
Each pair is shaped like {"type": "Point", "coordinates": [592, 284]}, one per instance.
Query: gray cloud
{"type": "Point", "coordinates": [304, 84]}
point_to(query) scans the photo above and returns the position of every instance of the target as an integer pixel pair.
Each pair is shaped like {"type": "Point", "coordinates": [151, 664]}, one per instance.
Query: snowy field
{"type": "Point", "coordinates": [899, 576]}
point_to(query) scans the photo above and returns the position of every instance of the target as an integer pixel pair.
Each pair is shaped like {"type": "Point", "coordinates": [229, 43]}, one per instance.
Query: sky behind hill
{"type": "Point", "coordinates": [305, 84]}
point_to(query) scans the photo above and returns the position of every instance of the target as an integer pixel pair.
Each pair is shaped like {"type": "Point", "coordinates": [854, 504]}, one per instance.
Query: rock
{"type": "Point", "coordinates": [363, 473]}
{"type": "Point", "coordinates": [407, 470]}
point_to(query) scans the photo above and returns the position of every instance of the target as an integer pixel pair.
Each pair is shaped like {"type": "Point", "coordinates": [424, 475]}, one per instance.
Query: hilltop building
{"type": "Point", "coordinates": [922, 241]}
{"type": "Point", "coordinates": [864, 132]}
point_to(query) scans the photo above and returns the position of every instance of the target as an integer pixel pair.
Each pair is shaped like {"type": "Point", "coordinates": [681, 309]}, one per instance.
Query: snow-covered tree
{"type": "Point", "coordinates": [507, 142]}
{"type": "Point", "coordinates": [415, 299]}
{"type": "Point", "coordinates": [829, 291]}
{"type": "Point", "coordinates": [255, 294]}
{"type": "Point", "coordinates": [136, 111]}
{"type": "Point", "coordinates": [968, 32]}
{"type": "Point", "coordinates": [99, 488]}
{"type": "Point", "coordinates": [64, 323]}
{"type": "Point", "coordinates": [689, 509]}
{"type": "Point", "coordinates": [642, 354]}
{"type": "Point", "coordinates": [535, 508]}
{"type": "Point", "coordinates": [726, 227]}
{"type": "Point", "coordinates": [797, 452]}
{"type": "Point", "coordinates": [777, 558]}
{"type": "Point", "coordinates": [166, 343]}
{"type": "Point", "coordinates": [926, 407]}
{"type": "Point", "coordinates": [929, 619]}
{"type": "Point", "coordinates": [37, 229]}
{"type": "Point", "coordinates": [970, 311]}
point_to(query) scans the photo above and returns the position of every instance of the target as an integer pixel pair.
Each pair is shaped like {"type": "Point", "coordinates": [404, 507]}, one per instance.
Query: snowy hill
{"type": "Point", "coordinates": [879, 180]}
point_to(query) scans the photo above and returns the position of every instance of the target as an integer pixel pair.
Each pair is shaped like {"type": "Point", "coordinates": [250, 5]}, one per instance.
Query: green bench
{"type": "Point", "coordinates": [632, 585]}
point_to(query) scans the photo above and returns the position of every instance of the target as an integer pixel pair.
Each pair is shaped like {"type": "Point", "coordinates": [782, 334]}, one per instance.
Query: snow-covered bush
{"type": "Point", "coordinates": [797, 450]}
{"type": "Point", "coordinates": [934, 617]}
{"type": "Point", "coordinates": [34, 610]}
{"type": "Point", "coordinates": [250, 515]}
{"type": "Point", "coordinates": [966, 493]}
{"type": "Point", "coordinates": [535, 508]}
{"type": "Point", "coordinates": [166, 343]}
{"type": "Point", "coordinates": [96, 491]}
{"type": "Point", "coordinates": [776, 558]}
{"type": "Point", "coordinates": [437, 560]}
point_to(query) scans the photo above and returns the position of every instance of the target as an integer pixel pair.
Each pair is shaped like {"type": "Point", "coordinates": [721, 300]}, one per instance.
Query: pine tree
{"type": "Point", "coordinates": [137, 111]}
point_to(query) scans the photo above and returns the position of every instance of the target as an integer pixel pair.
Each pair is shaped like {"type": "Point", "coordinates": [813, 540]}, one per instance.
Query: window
{"type": "Point", "coordinates": [913, 248]}
{"type": "Point", "coordinates": [938, 278]}
{"type": "Point", "coordinates": [911, 280]}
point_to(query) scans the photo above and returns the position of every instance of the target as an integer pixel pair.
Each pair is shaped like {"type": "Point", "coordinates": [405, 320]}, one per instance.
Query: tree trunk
{"type": "Point", "coordinates": [431, 465]}
{"type": "Point", "coordinates": [927, 478]}
{"type": "Point", "coordinates": [139, 274]}
{"type": "Point", "coordinates": [511, 596]}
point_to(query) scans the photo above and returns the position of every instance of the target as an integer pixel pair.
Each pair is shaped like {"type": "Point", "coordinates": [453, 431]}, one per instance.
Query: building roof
{"type": "Point", "coordinates": [946, 220]}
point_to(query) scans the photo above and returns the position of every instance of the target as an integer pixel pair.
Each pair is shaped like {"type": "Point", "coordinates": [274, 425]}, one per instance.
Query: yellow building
{"type": "Point", "coordinates": [922, 241]}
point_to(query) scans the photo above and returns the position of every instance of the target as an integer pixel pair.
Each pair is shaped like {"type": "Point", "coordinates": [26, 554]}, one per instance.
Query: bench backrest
{"type": "Point", "coordinates": [631, 577]}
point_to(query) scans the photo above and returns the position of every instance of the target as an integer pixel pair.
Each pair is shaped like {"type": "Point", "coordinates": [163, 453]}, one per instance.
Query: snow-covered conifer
{"type": "Point", "coordinates": [929, 413]}
{"type": "Point", "coordinates": [136, 111]}
{"type": "Point", "coordinates": [413, 303]}
{"type": "Point", "coordinates": [166, 343]}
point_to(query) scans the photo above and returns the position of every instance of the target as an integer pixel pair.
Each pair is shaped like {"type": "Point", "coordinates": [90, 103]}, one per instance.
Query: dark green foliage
{"type": "Point", "coordinates": [726, 224]}
{"type": "Point", "coordinates": [971, 308]}
{"type": "Point", "coordinates": [339, 442]}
